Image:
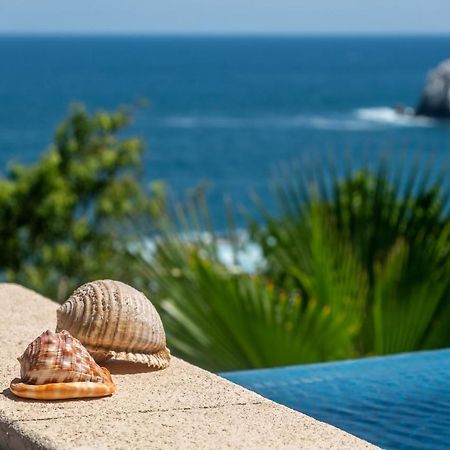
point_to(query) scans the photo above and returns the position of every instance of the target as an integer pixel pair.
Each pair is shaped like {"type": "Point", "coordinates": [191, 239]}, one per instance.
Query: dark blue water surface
{"type": "Point", "coordinates": [397, 402]}
{"type": "Point", "coordinates": [227, 110]}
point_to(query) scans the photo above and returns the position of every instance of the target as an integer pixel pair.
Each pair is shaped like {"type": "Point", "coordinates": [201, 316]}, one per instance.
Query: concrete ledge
{"type": "Point", "coordinates": [179, 407]}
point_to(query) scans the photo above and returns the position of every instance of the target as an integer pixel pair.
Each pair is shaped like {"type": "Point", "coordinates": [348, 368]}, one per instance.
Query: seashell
{"type": "Point", "coordinates": [56, 366]}
{"type": "Point", "coordinates": [114, 320]}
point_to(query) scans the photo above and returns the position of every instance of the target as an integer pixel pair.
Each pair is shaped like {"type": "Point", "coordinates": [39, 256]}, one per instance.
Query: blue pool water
{"type": "Point", "coordinates": [397, 402]}
{"type": "Point", "coordinates": [226, 110]}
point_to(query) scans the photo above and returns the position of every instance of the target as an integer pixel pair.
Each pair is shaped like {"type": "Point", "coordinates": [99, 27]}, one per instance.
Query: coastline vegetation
{"type": "Point", "coordinates": [353, 265]}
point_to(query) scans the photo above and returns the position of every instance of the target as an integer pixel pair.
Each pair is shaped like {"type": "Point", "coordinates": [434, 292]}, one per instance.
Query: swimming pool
{"type": "Point", "coordinates": [397, 402]}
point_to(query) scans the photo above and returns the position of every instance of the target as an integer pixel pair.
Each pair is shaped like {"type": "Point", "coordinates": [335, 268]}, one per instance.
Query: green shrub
{"type": "Point", "coordinates": [396, 229]}
{"type": "Point", "coordinates": [62, 219]}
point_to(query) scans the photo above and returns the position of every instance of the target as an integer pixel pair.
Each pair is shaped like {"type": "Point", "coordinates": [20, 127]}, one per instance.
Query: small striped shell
{"type": "Point", "coordinates": [57, 366]}
{"type": "Point", "coordinates": [114, 320]}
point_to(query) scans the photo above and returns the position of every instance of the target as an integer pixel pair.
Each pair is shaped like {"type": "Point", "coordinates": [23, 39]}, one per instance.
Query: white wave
{"type": "Point", "coordinates": [247, 258]}
{"type": "Point", "coordinates": [346, 124]}
{"type": "Point", "coordinates": [206, 122]}
{"type": "Point", "coordinates": [295, 121]}
{"type": "Point", "coordinates": [376, 118]}
{"type": "Point", "coordinates": [392, 117]}
{"type": "Point", "coordinates": [242, 256]}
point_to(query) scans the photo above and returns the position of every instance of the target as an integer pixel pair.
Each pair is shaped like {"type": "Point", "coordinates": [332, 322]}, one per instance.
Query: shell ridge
{"type": "Point", "coordinates": [84, 322]}
{"type": "Point", "coordinates": [138, 311]}
{"type": "Point", "coordinates": [127, 302]}
{"type": "Point", "coordinates": [109, 319]}
{"type": "Point", "coordinates": [115, 307]}
{"type": "Point", "coordinates": [102, 306]}
{"type": "Point", "coordinates": [95, 302]}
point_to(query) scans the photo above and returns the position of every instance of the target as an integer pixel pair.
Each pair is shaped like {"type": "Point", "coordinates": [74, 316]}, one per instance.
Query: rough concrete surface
{"type": "Point", "coordinates": [179, 407]}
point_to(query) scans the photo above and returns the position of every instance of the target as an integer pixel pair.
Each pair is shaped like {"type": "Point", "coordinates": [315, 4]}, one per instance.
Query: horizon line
{"type": "Point", "coordinates": [194, 34]}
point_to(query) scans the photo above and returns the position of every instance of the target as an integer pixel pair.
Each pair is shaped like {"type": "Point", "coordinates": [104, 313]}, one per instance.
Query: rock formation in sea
{"type": "Point", "coordinates": [435, 101]}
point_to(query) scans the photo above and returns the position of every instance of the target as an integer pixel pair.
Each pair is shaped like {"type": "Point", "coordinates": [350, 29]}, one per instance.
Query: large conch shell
{"type": "Point", "coordinates": [114, 320]}
{"type": "Point", "coordinates": [56, 366]}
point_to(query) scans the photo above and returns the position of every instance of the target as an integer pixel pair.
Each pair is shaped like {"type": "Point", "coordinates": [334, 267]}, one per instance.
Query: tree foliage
{"type": "Point", "coordinates": [61, 218]}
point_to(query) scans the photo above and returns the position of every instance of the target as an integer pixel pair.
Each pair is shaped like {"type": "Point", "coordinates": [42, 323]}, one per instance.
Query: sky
{"type": "Point", "coordinates": [226, 16]}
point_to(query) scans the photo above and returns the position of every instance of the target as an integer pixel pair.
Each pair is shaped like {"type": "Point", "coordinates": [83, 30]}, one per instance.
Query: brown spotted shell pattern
{"type": "Point", "coordinates": [114, 320]}
{"type": "Point", "coordinates": [57, 366]}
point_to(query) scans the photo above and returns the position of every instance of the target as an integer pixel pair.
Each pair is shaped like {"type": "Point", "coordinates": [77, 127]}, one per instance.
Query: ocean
{"type": "Point", "coordinates": [227, 111]}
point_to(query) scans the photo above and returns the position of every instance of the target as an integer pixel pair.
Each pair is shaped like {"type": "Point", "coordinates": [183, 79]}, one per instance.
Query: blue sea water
{"type": "Point", "coordinates": [226, 110]}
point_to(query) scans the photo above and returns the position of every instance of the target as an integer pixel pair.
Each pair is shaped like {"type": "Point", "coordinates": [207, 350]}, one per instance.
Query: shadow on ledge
{"type": "Point", "coordinates": [117, 367]}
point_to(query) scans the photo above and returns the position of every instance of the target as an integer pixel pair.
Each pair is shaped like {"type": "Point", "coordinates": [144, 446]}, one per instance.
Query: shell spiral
{"type": "Point", "coordinates": [114, 320]}
{"type": "Point", "coordinates": [57, 366]}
